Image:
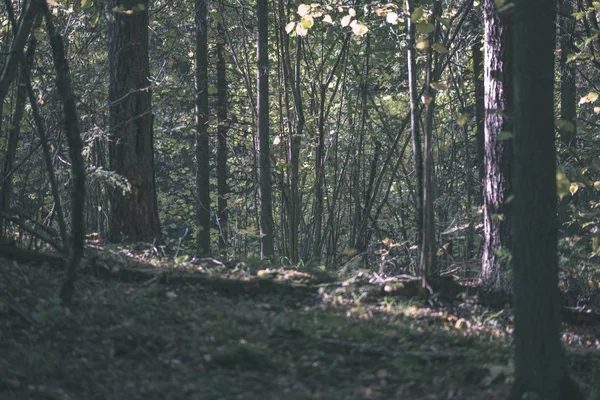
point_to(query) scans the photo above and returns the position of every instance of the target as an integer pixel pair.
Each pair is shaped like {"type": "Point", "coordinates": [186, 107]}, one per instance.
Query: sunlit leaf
{"type": "Point", "coordinates": [301, 30]}
{"type": "Point", "coordinates": [426, 99]}
{"type": "Point", "coordinates": [303, 9]}
{"type": "Point", "coordinates": [499, 3]}
{"type": "Point", "coordinates": [422, 44]}
{"type": "Point", "coordinates": [277, 140]}
{"type": "Point", "coordinates": [425, 28]}
{"type": "Point", "coordinates": [597, 185]}
{"type": "Point", "coordinates": [346, 20]}
{"type": "Point", "coordinates": [358, 28]}
{"type": "Point", "coordinates": [307, 22]}
{"type": "Point", "coordinates": [417, 14]}
{"type": "Point", "coordinates": [391, 18]}
{"type": "Point", "coordinates": [327, 18]}
{"type": "Point", "coordinates": [563, 185]}
{"type": "Point", "coordinates": [290, 27]}
{"type": "Point", "coordinates": [439, 85]}
{"type": "Point", "coordinates": [589, 98]}
{"type": "Point", "coordinates": [439, 48]}
{"type": "Point", "coordinates": [573, 188]}
{"type": "Point", "coordinates": [352, 12]}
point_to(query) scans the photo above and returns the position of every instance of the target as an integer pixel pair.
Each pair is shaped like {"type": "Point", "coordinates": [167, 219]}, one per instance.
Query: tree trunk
{"type": "Point", "coordinates": [479, 111]}
{"type": "Point", "coordinates": [222, 153]}
{"type": "Point", "coordinates": [134, 215]}
{"type": "Point", "coordinates": [264, 160]}
{"type": "Point", "coordinates": [414, 124]}
{"type": "Point", "coordinates": [498, 150]}
{"type": "Point", "coordinates": [202, 139]}
{"type": "Point", "coordinates": [71, 121]}
{"type": "Point", "coordinates": [540, 365]}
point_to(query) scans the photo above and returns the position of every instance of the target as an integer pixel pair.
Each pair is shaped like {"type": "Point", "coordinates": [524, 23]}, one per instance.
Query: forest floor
{"type": "Point", "coordinates": [199, 332]}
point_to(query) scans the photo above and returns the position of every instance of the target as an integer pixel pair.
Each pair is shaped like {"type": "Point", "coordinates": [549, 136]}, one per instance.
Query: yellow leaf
{"type": "Point", "coordinates": [573, 188]}
{"type": "Point", "coordinates": [307, 22]}
{"type": "Point", "coordinates": [562, 184]}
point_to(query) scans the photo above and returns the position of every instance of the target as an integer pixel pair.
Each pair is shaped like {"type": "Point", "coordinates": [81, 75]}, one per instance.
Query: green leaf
{"type": "Point", "coordinates": [462, 119]}
{"type": "Point", "coordinates": [425, 28]}
{"type": "Point", "coordinates": [417, 14]}
{"type": "Point", "coordinates": [504, 135]}
{"type": "Point", "coordinates": [439, 48]}
{"type": "Point", "coordinates": [563, 185]}
{"type": "Point", "coordinates": [596, 243]}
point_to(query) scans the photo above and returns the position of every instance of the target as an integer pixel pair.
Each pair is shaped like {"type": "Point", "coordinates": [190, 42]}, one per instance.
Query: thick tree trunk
{"type": "Point", "coordinates": [540, 367]}
{"type": "Point", "coordinates": [202, 139]}
{"type": "Point", "coordinates": [264, 160]}
{"type": "Point", "coordinates": [134, 215]}
{"type": "Point", "coordinates": [498, 151]}
{"type": "Point", "coordinates": [222, 153]}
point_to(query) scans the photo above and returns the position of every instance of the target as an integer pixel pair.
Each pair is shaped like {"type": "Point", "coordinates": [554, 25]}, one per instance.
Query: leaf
{"type": "Point", "coordinates": [596, 110]}
{"type": "Point", "coordinates": [589, 98]}
{"type": "Point", "coordinates": [565, 125]}
{"type": "Point", "coordinates": [439, 48]}
{"type": "Point", "coordinates": [417, 14]}
{"type": "Point", "coordinates": [358, 28]}
{"type": "Point", "coordinates": [426, 99]}
{"type": "Point", "coordinates": [422, 44]}
{"type": "Point", "coordinates": [425, 27]}
{"type": "Point", "coordinates": [499, 3]}
{"type": "Point", "coordinates": [303, 9]}
{"type": "Point", "coordinates": [596, 243]}
{"type": "Point", "coordinates": [327, 18]}
{"type": "Point", "coordinates": [562, 184]}
{"type": "Point", "coordinates": [346, 20]}
{"type": "Point", "coordinates": [307, 22]}
{"type": "Point", "coordinates": [504, 135]}
{"type": "Point", "coordinates": [352, 12]}
{"type": "Point", "coordinates": [301, 30]}
{"type": "Point", "coordinates": [597, 185]}
{"type": "Point", "coordinates": [86, 3]}
{"type": "Point", "coordinates": [277, 140]}
{"type": "Point", "coordinates": [573, 188]}
{"type": "Point", "coordinates": [439, 85]}
{"type": "Point", "coordinates": [290, 27]}
{"type": "Point", "coordinates": [391, 18]}
{"type": "Point", "coordinates": [462, 119]}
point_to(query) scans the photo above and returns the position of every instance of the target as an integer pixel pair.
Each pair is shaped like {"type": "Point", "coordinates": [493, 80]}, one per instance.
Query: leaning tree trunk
{"type": "Point", "coordinates": [134, 214]}
{"type": "Point", "coordinates": [63, 82]}
{"type": "Point", "coordinates": [540, 365]}
{"type": "Point", "coordinates": [498, 148]}
{"type": "Point", "coordinates": [202, 142]}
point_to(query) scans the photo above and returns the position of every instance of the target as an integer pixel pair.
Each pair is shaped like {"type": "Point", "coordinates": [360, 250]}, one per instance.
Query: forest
{"type": "Point", "coordinates": [259, 199]}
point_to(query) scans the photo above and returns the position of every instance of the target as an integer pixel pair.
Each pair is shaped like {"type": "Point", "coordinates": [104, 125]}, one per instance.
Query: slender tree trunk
{"type": "Point", "coordinates": [222, 131]}
{"type": "Point", "coordinates": [202, 139]}
{"type": "Point", "coordinates": [63, 82]}
{"type": "Point", "coordinates": [296, 142]}
{"type": "Point", "coordinates": [134, 215]}
{"type": "Point", "coordinates": [264, 161]}
{"type": "Point", "coordinates": [414, 125]}
{"type": "Point", "coordinates": [540, 367]}
{"type": "Point", "coordinates": [498, 149]}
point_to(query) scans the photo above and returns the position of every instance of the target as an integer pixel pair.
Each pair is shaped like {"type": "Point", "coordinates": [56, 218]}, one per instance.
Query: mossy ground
{"type": "Point", "coordinates": [196, 341]}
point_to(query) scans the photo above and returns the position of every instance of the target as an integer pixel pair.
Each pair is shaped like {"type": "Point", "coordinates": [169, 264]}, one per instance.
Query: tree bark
{"type": "Point", "coordinates": [540, 365]}
{"type": "Point", "coordinates": [264, 160]}
{"type": "Point", "coordinates": [134, 215]}
{"type": "Point", "coordinates": [222, 130]}
{"type": "Point", "coordinates": [202, 139]}
{"type": "Point", "coordinates": [568, 91]}
{"type": "Point", "coordinates": [498, 152]}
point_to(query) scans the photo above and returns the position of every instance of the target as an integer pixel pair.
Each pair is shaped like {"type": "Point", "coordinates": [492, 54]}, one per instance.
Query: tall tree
{"type": "Point", "coordinates": [540, 365]}
{"type": "Point", "coordinates": [202, 142]}
{"type": "Point", "coordinates": [134, 214]}
{"type": "Point", "coordinates": [568, 91]}
{"type": "Point", "coordinates": [222, 130]}
{"type": "Point", "coordinates": [498, 150]}
{"type": "Point", "coordinates": [264, 160]}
